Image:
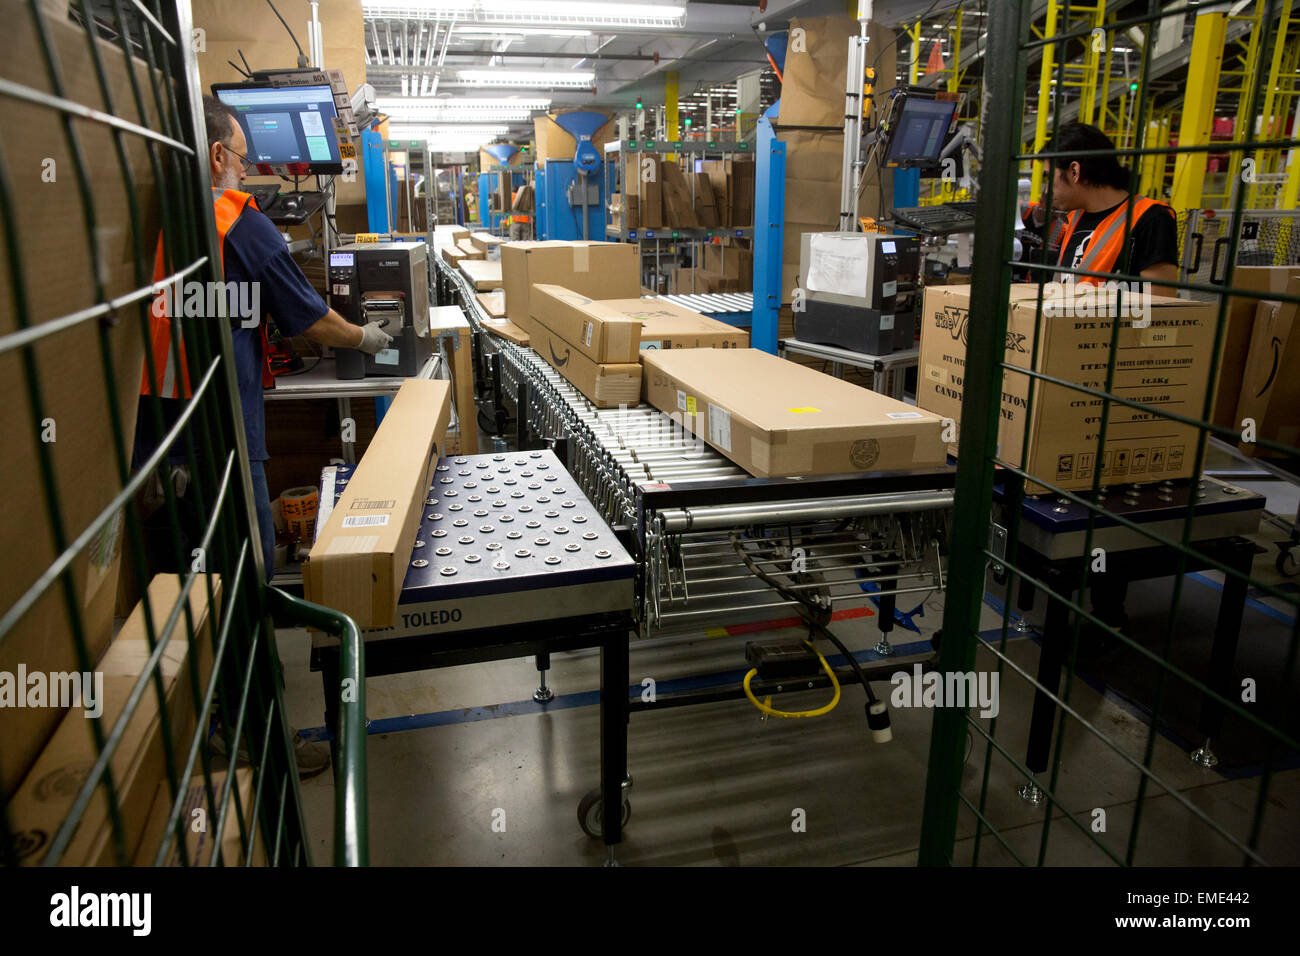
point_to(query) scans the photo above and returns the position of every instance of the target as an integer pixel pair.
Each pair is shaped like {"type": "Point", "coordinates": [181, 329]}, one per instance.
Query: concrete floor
{"type": "Point", "coordinates": [715, 784]}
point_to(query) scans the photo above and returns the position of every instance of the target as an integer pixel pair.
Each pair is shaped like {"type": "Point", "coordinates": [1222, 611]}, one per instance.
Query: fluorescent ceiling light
{"type": "Point", "coordinates": [529, 12]}
{"type": "Point", "coordinates": [543, 78]}
{"type": "Point", "coordinates": [496, 32]}
{"type": "Point", "coordinates": [448, 104]}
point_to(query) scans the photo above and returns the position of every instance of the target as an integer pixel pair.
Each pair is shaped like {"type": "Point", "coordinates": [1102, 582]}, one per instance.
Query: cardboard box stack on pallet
{"type": "Point", "coordinates": [1165, 364]}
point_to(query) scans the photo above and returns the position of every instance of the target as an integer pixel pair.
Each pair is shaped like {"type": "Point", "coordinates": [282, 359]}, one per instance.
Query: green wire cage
{"type": "Point", "coordinates": [989, 800]}
{"type": "Point", "coordinates": [105, 158]}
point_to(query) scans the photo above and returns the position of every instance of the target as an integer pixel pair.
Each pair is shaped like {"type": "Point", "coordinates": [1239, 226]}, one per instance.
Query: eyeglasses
{"type": "Point", "coordinates": [244, 160]}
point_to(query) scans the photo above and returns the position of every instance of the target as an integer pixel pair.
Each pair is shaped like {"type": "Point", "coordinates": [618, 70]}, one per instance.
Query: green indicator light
{"type": "Point", "coordinates": [676, 235]}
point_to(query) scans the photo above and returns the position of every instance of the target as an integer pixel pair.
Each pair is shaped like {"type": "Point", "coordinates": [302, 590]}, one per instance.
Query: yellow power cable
{"type": "Point", "coordinates": [820, 711]}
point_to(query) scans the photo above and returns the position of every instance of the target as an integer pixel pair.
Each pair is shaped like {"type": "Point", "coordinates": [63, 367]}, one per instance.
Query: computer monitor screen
{"type": "Point", "coordinates": [920, 131]}
{"type": "Point", "coordinates": [286, 125]}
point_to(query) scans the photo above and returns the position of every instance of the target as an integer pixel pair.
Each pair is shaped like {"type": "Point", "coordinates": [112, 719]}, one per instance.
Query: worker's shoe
{"type": "Point", "coordinates": [312, 758]}
{"type": "Point", "coordinates": [217, 741]}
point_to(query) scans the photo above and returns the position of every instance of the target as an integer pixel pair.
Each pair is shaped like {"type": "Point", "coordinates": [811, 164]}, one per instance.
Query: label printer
{"type": "Point", "coordinates": [860, 290]}
{"type": "Point", "coordinates": [385, 282]}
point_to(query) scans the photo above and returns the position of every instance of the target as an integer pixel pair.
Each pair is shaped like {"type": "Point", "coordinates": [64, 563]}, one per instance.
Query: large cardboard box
{"type": "Point", "coordinates": [812, 87]}
{"type": "Point", "coordinates": [665, 325]}
{"type": "Point", "coordinates": [1240, 323]}
{"type": "Point", "coordinates": [775, 418]}
{"type": "Point", "coordinates": [138, 763]}
{"type": "Point", "coordinates": [601, 270]}
{"type": "Point", "coordinates": [361, 555]}
{"type": "Point", "coordinates": [602, 334]}
{"type": "Point", "coordinates": [199, 845]}
{"type": "Point", "coordinates": [77, 402]}
{"type": "Point", "coordinates": [483, 274]}
{"type": "Point", "coordinates": [1165, 364]}
{"type": "Point", "coordinates": [1270, 387]}
{"type": "Point", "coordinates": [608, 385]}
{"type": "Point", "coordinates": [467, 248]}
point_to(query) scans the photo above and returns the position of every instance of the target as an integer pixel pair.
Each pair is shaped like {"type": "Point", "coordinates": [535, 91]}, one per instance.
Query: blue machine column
{"type": "Point", "coordinates": [769, 233]}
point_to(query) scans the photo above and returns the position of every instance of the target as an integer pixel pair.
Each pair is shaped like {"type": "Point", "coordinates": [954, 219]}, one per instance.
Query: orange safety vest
{"type": "Point", "coordinates": [227, 208]}
{"type": "Point", "coordinates": [1103, 247]}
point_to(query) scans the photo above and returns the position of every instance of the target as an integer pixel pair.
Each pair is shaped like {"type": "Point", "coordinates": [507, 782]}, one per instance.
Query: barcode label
{"type": "Point", "coordinates": [365, 521]}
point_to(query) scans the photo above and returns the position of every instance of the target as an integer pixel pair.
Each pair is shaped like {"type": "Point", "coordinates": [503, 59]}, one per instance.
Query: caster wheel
{"type": "Point", "coordinates": [1286, 563]}
{"type": "Point", "coordinates": [591, 815]}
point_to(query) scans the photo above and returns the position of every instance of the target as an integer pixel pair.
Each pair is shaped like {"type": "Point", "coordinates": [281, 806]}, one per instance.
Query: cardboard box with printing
{"type": "Point", "coordinates": [199, 844]}
{"type": "Point", "coordinates": [601, 334]}
{"type": "Point", "coordinates": [775, 418]}
{"type": "Point", "coordinates": [138, 763]}
{"type": "Point", "coordinates": [607, 385]}
{"type": "Point", "coordinates": [665, 325]}
{"type": "Point", "coordinates": [1165, 365]}
{"type": "Point", "coordinates": [360, 557]}
{"type": "Point", "coordinates": [1270, 389]}
{"type": "Point", "coordinates": [601, 270]}
{"type": "Point", "coordinates": [1237, 335]}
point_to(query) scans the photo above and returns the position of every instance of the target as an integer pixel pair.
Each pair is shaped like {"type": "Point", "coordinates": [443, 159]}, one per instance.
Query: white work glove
{"type": "Point", "coordinates": [374, 338]}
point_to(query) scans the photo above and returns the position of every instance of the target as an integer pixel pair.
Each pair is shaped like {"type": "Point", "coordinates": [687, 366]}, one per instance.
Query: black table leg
{"type": "Point", "coordinates": [1056, 635]}
{"type": "Point", "coordinates": [1227, 632]}
{"type": "Point", "coordinates": [613, 734]}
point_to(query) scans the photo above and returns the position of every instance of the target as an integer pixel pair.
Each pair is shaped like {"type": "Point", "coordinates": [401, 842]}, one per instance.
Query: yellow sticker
{"type": "Point", "coordinates": [366, 237]}
{"type": "Point", "coordinates": [347, 151]}
{"type": "Point", "coordinates": [690, 404]}
{"type": "Point", "coordinates": [804, 410]}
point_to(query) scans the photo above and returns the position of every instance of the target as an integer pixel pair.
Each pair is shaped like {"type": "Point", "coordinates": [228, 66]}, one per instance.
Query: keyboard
{"type": "Point", "coordinates": [938, 220]}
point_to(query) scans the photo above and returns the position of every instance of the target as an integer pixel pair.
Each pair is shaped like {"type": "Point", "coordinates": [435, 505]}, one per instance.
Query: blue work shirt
{"type": "Point", "coordinates": [255, 251]}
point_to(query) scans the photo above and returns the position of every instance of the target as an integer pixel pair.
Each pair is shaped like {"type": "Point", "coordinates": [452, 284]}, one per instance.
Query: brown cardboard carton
{"type": "Point", "coordinates": [1165, 364]}
{"type": "Point", "coordinates": [453, 255]}
{"type": "Point", "coordinates": [460, 234]}
{"type": "Point", "coordinates": [1240, 322]}
{"type": "Point", "coordinates": [812, 89]}
{"type": "Point", "coordinates": [138, 763]}
{"type": "Point", "coordinates": [483, 274]}
{"type": "Point", "coordinates": [608, 386]}
{"type": "Point", "coordinates": [665, 325]}
{"type": "Point", "coordinates": [601, 270]}
{"type": "Point", "coordinates": [487, 244]}
{"type": "Point", "coordinates": [507, 330]}
{"type": "Point", "coordinates": [1270, 389]}
{"type": "Point", "coordinates": [718, 172]}
{"type": "Point", "coordinates": [494, 303]}
{"type": "Point", "coordinates": [60, 279]}
{"type": "Point", "coordinates": [706, 205]}
{"type": "Point", "coordinates": [775, 418]}
{"type": "Point", "coordinates": [361, 555]}
{"type": "Point", "coordinates": [741, 177]}
{"type": "Point", "coordinates": [199, 845]}
{"type": "Point", "coordinates": [603, 335]}
{"type": "Point", "coordinates": [679, 208]}
{"type": "Point", "coordinates": [650, 176]}
{"type": "Point", "coordinates": [469, 250]}
{"type": "Point", "coordinates": [731, 261]}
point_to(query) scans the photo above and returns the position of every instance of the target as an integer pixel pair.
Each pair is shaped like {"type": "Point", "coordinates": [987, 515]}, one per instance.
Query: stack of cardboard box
{"type": "Point", "coordinates": [601, 270]}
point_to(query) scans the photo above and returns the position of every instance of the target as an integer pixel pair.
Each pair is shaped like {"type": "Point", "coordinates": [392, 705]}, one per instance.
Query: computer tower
{"type": "Point", "coordinates": [386, 282]}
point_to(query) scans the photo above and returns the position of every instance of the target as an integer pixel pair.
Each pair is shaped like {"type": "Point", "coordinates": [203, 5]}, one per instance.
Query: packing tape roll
{"type": "Point", "coordinates": [299, 505]}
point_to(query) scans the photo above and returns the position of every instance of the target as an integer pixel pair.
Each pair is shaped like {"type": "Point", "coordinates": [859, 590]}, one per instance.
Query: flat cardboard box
{"type": "Point", "coordinates": [467, 248]}
{"type": "Point", "coordinates": [601, 270]}
{"type": "Point", "coordinates": [608, 385]}
{"type": "Point", "coordinates": [507, 330]}
{"type": "Point", "coordinates": [1240, 323]}
{"type": "Point", "coordinates": [1165, 364]}
{"type": "Point", "coordinates": [483, 274]}
{"type": "Point", "coordinates": [360, 557]}
{"type": "Point", "coordinates": [139, 762]}
{"type": "Point", "coordinates": [679, 207]}
{"type": "Point", "coordinates": [494, 303]}
{"type": "Point", "coordinates": [665, 325]}
{"type": "Point", "coordinates": [60, 279]}
{"type": "Point", "coordinates": [650, 191]}
{"type": "Point", "coordinates": [718, 173]}
{"type": "Point", "coordinates": [1270, 387]}
{"type": "Point", "coordinates": [706, 205]}
{"type": "Point", "coordinates": [604, 336]}
{"type": "Point", "coordinates": [778, 419]}
{"type": "Point", "coordinates": [487, 243]}
{"type": "Point", "coordinates": [199, 845]}
{"type": "Point", "coordinates": [458, 234]}
{"type": "Point", "coordinates": [453, 256]}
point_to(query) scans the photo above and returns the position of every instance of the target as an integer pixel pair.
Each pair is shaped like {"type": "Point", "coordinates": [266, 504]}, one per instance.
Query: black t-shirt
{"type": "Point", "coordinates": [1153, 239]}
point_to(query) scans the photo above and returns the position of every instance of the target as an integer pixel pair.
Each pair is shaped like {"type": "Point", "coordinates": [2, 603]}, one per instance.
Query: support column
{"type": "Point", "coordinates": [1198, 108]}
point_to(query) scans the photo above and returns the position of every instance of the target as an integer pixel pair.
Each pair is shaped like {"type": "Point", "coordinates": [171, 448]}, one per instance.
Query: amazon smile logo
{"type": "Point", "coordinates": [555, 359]}
{"type": "Point", "coordinates": [1272, 373]}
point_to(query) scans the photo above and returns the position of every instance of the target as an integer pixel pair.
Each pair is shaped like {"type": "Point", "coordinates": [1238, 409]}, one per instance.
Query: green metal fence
{"type": "Point", "coordinates": [974, 811]}
{"type": "Point", "coordinates": [105, 153]}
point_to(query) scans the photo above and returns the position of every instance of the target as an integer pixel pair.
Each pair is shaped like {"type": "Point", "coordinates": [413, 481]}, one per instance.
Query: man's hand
{"type": "Point", "coordinates": [374, 338]}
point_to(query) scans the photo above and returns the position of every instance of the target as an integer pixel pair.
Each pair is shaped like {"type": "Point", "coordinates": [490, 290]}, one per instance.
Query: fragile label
{"type": "Point", "coordinates": [365, 521]}
{"type": "Point", "coordinates": [719, 427]}
{"type": "Point", "coordinates": [803, 410]}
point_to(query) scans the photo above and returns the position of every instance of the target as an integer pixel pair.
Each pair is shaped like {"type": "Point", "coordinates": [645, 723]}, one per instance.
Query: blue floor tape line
{"type": "Point", "coordinates": [1251, 602]}
{"type": "Point", "coordinates": [681, 685]}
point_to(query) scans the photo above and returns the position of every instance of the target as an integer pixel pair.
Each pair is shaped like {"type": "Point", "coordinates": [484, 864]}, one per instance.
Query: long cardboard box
{"type": "Point", "coordinates": [1270, 387]}
{"type": "Point", "coordinates": [603, 335]}
{"type": "Point", "coordinates": [470, 251]}
{"type": "Point", "coordinates": [494, 303]}
{"type": "Point", "coordinates": [1165, 365]}
{"type": "Point", "coordinates": [453, 256]}
{"type": "Point", "coordinates": [607, 385]}
{"type": "Point", "coordinates": [601, 270]}
{"type": "Point", "coordinates": [361, 555]}
{"type": "Point", "coordinates": [483, 274]}
{"type": "Point", "coordinates": [199, 845]}
{"type": "Point", "coordinates": [138, 764]}
{"type": "Point", "coordinates": [778, 419]}
{"type": "Point", "coordinates": [666, 325]}
{"type": "Point", "coordinates": [487, 243]}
